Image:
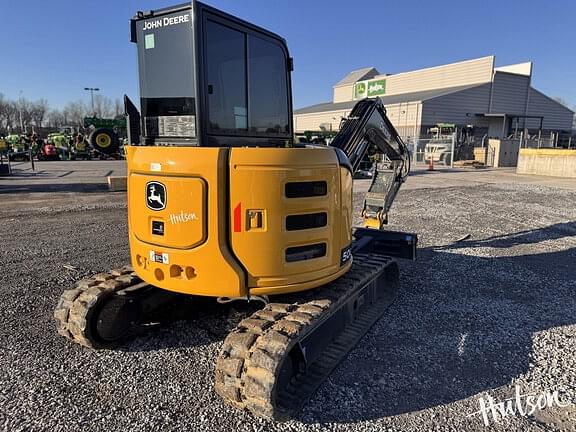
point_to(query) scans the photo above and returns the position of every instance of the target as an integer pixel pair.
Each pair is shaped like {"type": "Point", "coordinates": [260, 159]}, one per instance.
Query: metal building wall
{"type": "Point", "coordinates": [312, 121]}
{"type": "Point", "coordinates": [503, 90]}
{"type": "Point", "coordinates": [343, 93]}
{"type": "Point", "coordinates": [458, 108]}
{"type": "Point", "coordinates": [509, 93]}
{"type": "Point", "coordinates": [464, 73]}
{"type": "Point", "coordinates": [556, 115]}
{"type": "Point", "coordinates": [406, 118]}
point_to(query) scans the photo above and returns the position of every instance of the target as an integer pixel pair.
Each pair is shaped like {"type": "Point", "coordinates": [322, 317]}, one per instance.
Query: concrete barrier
{"type": "Point", "coordinates": [547, 162]}
{"type": "Point", "coordinates": [117, 183]}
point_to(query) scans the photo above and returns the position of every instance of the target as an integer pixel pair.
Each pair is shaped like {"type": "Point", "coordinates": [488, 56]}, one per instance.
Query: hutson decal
{"type": "Point", "coordinates": [155, 196]}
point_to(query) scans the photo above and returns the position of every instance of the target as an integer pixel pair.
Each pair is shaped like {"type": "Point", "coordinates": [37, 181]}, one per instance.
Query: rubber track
{"type": "Point", "coordinates": [253, 354]}
{"type": "Point", "coordinates": [73, 308]}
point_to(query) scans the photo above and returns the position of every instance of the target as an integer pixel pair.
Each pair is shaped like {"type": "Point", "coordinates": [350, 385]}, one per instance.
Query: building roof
{"type": "Point", "coordinates": [387, 100]}
{"type": "Point", "coordinates": [326, 106]}
{"type": "Point", "coordinates": [358, 75]}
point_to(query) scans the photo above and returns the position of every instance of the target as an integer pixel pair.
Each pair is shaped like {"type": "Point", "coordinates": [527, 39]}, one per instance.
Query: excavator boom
{"type": "Point", "coordinates": [369, 132]}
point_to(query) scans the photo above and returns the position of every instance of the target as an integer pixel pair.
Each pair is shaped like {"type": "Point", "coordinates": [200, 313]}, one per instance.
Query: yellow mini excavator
{"type": "Point", "coordinates": [223, 204]}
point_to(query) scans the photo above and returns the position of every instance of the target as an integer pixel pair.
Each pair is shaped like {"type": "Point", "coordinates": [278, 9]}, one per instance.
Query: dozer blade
{"type": "Point", "coordinates": [276, 359]}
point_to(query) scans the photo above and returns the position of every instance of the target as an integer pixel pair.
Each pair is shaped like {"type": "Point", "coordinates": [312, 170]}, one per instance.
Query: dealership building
{"type": "Point", "coordinates": [497, 101]}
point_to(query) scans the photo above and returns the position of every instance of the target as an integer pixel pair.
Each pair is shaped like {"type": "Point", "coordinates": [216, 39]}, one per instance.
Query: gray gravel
{"type": "Point", "coordinates": [473, 318]}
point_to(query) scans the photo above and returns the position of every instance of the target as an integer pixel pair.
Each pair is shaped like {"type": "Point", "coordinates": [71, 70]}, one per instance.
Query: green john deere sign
{"type": "Point", "coordinates": [373, 88]}
{"type": "Point", "coordinates": [377, 87]}
{"type": "Point", "coordinates": [360, 90]}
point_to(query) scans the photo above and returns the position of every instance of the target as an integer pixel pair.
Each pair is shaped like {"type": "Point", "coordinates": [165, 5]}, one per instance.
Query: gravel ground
{"type": "Point", "coordinates": [473, 318]}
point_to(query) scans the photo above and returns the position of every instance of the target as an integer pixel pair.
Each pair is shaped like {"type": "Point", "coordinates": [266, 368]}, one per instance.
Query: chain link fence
{"type": "Point", "coordinates": [552, 140]}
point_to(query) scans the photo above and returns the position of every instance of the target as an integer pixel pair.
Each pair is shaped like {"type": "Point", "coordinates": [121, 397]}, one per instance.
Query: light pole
{"type": "Point", "coordinates": [92, 90]}
{"type": "Point", "coordinates": [20, 112]}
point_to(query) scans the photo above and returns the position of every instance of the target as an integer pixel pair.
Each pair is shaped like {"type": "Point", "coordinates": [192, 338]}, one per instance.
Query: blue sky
{"type": "Point", "coordinates": [53, 49]}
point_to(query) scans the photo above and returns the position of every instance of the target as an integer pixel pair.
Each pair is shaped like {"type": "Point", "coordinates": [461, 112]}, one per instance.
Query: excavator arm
{"type": "Point", "coordinates": [369, 132]}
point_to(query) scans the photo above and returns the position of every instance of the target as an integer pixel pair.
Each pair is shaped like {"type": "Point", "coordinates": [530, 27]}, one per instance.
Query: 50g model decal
{"type": "Point", "coordinates": [345, 255]}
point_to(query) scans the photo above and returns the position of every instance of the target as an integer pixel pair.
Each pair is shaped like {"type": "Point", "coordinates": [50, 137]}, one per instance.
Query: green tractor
{"type": "Point", "coordinates": [81, 148]}
{"type": "Point", "coordinates": [3, 145]}
{"type": "Point", "coordinates": [61, 140]}
{"type": "Point", "coordinates": [4, 167]}
{"type": "Point", "coordinates": [71, 142]}
{"type": "Point", "coordinates": [316, 137]}
{"type": "Point", "coordinates": [106, 135]}
{"type": "Point", "coordinates": [18, 147]}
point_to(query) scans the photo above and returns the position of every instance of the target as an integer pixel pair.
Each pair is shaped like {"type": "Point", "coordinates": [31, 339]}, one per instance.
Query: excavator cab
{"type": "Point", "coordinates": [223, 204]}
{"type": "Point", "coordinates": [208, 79]}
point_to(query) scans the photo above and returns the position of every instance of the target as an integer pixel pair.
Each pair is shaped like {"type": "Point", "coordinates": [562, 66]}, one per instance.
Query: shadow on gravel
{"type": "Point", "coordinates": [63, 187]}
{"type": "Point", "coordinates": [462, 325]}
{"type": "Point", "coordinates": [553, 232]}
{"type": "Point", "coordinates": [200, 324]}
{"type": "Point", "coordinates": [437, 169]}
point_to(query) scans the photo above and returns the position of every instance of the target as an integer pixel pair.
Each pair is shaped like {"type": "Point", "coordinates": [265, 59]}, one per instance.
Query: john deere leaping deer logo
{"type": "Point", "coordinates": [360, 90]}
{"type": "Point", "coordinates": [155, 195]}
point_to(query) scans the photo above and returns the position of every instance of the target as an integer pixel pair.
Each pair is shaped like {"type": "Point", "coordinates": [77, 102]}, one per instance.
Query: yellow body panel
{"type": "Point", "coordinates": [232, 230]}
{"type": "Point", "coordinates": [183, 216]}
{"type": "Point", "coordinates": [258, 178]}
{"type": "Point", "coordinates": [202, 267]}
{"type": "Point", "coordinates": [344, 219]}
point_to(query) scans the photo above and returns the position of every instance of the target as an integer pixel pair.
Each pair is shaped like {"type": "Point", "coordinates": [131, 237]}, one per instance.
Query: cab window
{"type": "Point", "coordinates": [247, 88]}
{"type": "Point", "coordinates": [226, 73]}
{"type": "Point", "coordinates": [267, 87]}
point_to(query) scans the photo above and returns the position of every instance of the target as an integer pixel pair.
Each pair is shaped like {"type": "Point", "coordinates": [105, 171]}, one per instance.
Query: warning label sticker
{"type": "Point", "coordinates": [159, 257]}
{"type": "Point", "coordinates": [171, 126]}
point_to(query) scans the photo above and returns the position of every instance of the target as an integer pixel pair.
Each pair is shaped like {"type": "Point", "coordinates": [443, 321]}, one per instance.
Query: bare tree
{"type": "Point", "coordinates": [563, 101]}
{"type": "Point", "coordinates": [38, 111]}
{"type": "Point", "coordinates": [24, 114]}
{"type": "Point", "coordinates": [55, 118]}
{"type": "Point", "coordinates": [118, 107]}
{"type": "Point", "coordinates": [15, 114]}
{"type": "Point", "coordinates": [3, 107]}
{"type": "Point", "coordinates": [74, 112]}
{"type": "Point", "coordinates": [103, 106]}
{"type": "Point", "coordinates": [24, 108]}
{"type": "Point", "coordinates": [560, 100]}
{"type": "Point", "coordinates": [10, 114]}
